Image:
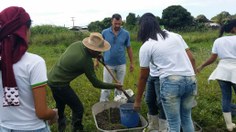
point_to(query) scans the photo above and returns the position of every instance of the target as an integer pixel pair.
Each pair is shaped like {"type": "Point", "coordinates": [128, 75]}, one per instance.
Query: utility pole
{"type": "Point", "coordinates": [73, 20]}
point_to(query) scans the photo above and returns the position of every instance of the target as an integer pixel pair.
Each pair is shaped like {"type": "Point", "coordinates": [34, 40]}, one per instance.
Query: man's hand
{"type": "Point", "coordinates": [119, 86]}
{"type": "Point", "coordinates": [100, 58]}
{"type": "Point", "coordinates": [131, 67]}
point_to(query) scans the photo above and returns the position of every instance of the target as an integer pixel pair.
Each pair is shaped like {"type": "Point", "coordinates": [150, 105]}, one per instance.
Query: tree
{"type": "Point", "coordinates": [222, 17]}
{"type": "Point", "coordinates": [106, 22]}
{"type": "Point", "coordinates": [95, 26]}
{"type": "Point", "coordinates": [201, 19]}
{"type": "Point", "coordinates": [131, 19]}
{"type": "Point", "coordinates": [137, 19]}
{"type": "Point", "coordinates": [174, 17]}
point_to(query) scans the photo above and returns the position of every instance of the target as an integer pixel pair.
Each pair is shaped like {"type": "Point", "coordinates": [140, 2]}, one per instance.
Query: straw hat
{"type": "Point", "coordinates": [96, 42]}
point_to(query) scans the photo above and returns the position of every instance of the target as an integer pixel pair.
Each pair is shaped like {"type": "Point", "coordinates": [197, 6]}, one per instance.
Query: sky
{"type": "Point", "coordinates": [82, 12]}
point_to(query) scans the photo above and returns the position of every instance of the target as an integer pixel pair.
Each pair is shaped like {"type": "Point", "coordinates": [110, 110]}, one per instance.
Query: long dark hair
{"type": "Point", "coordinates": [227, 27]}
{"type": "Point", "coordinates": [149, 27]}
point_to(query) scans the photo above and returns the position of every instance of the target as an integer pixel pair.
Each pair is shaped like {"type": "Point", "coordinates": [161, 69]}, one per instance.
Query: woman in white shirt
{"type": "Point", "coordinates": [175, 65]}
{"type": "Point", "coordinates": [224, 47]}
{"type": "Point", "coordinates": [23, 75]}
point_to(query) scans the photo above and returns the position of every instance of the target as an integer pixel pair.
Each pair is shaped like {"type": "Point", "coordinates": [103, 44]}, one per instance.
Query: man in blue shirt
{"type": "Point", "coordinates": [115, 58]}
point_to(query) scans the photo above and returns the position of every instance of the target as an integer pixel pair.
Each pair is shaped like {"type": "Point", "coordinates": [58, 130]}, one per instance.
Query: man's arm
{"type": "Point", "coordinates": [130, 54]}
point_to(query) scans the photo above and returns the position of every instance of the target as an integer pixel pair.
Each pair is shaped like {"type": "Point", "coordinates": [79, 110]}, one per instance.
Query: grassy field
{"type": "Point", "coordinates": [207, 113]}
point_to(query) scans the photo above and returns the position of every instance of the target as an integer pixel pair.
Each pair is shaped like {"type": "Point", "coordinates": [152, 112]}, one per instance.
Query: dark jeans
{"type": "Point", "coordinates": [226, 89]}
{"type": "Point", "coordinates": [66, 96]}
{"type": "Point", "coordinates": [152, 97]}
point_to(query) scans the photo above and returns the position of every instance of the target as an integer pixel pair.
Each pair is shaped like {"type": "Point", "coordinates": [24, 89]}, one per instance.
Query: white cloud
{"type": "Point", "coordinates": [59, 12]}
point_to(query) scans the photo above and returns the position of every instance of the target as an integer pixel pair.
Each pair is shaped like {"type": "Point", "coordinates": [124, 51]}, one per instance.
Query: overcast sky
{"type": "Point", "coordinates": [60, 12]}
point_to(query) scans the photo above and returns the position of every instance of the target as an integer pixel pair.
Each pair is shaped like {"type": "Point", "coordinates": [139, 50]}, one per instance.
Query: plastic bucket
{"type": "Point", "coordinates": [128, 116]}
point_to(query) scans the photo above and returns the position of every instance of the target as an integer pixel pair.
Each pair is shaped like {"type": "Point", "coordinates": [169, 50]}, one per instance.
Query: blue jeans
{"type": "Point", "coordinates": [46, 129]}
{"type": "Point", "coordinates": [119, 72]}
{"type": "Point", "coordinates": [152, 97]}
{"type": "Point", "coordinates": [177, 97]}
{"type": "Point", "coordinates": [226, 90]}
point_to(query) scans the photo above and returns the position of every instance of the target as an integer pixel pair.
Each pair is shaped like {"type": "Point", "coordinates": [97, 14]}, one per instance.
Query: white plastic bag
{"type": "Point", "coordinates": [122, 98]}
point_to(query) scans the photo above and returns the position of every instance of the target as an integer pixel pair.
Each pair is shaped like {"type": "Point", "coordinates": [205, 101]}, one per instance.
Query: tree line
{"type": "Point", "coordinates": [174, 17]}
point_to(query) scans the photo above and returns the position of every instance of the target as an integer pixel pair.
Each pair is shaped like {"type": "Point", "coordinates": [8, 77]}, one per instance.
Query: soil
{"type": "Point", "coordinates": [109, 119]}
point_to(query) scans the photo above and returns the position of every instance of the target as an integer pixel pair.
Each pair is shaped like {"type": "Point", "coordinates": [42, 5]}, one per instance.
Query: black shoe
{"type": "Point", "coordinates": [62, 125]}
{"type": "Point", "coordinates": [77, 128]}
{"type": "Point", "coordinates": [76, 125]}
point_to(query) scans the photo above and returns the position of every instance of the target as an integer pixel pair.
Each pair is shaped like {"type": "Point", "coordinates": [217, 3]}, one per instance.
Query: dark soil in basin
{"type": "Point", "coordinates": [109, 119]}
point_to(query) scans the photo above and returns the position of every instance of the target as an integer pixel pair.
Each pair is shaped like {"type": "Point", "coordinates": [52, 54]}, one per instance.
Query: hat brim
{"type": "Point", "coordinates": [106, 46]}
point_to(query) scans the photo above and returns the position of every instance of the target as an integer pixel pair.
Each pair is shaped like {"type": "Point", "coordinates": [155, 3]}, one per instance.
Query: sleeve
{"type": "Point", "coordinates": [38, 74]}
{"type": "Point", "coordinates": [90, 74]}
{"type": "Point", "coordinates": [127, 42]}
{"type": "Point", "coordinates": [184, 44]}
{"type": "Point", "coordinates": [214, 48]}
{"type": "Point", "coordinates": [144, 56]}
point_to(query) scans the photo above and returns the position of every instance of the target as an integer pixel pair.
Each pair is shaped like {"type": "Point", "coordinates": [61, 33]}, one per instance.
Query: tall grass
{"type": "Point", "coordinates": [207, 113]}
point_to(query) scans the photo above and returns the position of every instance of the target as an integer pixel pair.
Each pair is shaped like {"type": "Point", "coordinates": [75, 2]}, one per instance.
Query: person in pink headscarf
{"type": "Point", "coordinates": [23, 104]}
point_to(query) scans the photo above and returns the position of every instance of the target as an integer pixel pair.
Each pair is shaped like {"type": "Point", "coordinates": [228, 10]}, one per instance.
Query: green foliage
{"type": "Point", "coordinates": [195, 37]}
{"type": "Point", "coordinates": [173, 17]}
{"type": "Point", "coordinates": [201, 19]}
{"type": "Point", "coordinates": [95, 27]}
{"type": "Point", "coordinates": [222, 17]}
{"type": "Point", "coordinates": [98, 26]}
{"type": "Point", "coordinates": [47, 29]}
{"type": "Point", "coordinates": [106, 22]}
{"type": "Point", "coordinates": [53, 35]}
{"type": "Point", "coordinates": [131, 19]}
{"type": "Point", "coordinates": [176, 17]}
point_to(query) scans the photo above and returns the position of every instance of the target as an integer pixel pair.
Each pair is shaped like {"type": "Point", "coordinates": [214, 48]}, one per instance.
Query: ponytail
{"type": "Point", "coordinates": [222, 30]}
{"type": "Point", "coordinates": [227, 27]}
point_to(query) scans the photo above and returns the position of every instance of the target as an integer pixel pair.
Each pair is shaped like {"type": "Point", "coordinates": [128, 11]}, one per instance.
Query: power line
{"type": "Point", "coordinates": [73, 20]}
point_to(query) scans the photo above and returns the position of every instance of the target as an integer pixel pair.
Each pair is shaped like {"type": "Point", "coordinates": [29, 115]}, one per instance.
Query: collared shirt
{"type": "Point", "coordinates": [116, 55]}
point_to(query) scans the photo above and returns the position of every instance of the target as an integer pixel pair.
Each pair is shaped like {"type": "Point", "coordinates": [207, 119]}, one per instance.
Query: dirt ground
{"type": "Point", "coordinates": [109, 119]}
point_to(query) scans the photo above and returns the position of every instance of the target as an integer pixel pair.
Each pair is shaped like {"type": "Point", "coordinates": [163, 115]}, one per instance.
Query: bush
{"type": "Point", "coordinates": [53, 35]}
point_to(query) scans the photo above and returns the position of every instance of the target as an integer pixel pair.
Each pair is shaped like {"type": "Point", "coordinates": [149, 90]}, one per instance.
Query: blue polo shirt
{"type": "Point", "coordinates": [116, 55]}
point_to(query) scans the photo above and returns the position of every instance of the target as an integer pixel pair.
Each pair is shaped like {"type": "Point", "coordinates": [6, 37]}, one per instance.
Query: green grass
{"type": "Point", "coordinates": [207, 113]}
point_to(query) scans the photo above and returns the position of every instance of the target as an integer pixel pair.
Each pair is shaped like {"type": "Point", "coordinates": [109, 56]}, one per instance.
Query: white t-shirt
{"type": "Point", "coordinates": [30, 70]}
{"type": "Point", "coordinates": [225, 47]}
{"type": "Point", "coordinates": [167, 56]}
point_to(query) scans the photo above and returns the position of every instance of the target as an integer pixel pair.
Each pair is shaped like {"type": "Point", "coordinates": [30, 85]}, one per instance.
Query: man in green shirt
{"type": "Point", "coordinates": [75, 61]}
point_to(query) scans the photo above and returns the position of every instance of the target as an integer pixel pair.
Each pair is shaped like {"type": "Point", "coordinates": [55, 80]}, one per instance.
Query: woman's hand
{"type": "Point", "coordinates": [199, 69]}
{"type": "Point", "coordinates": [54, 120]}
{"type": "Point", "coordinates": [137, 106]}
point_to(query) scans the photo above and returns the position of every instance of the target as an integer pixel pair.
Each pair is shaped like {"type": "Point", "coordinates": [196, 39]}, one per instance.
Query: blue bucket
{"type": "Point", "coordinates": [128, 116]}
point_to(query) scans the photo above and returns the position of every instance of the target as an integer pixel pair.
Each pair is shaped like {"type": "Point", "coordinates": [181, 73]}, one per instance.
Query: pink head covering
{"type": "Point", "coordinates": [13, 44]}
